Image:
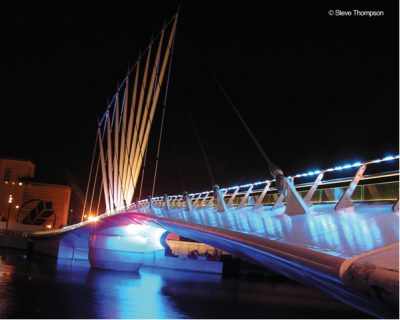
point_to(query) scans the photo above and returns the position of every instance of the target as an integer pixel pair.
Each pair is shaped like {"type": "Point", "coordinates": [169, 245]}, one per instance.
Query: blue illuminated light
{"type": "Point", "coordinates": [179, 197]}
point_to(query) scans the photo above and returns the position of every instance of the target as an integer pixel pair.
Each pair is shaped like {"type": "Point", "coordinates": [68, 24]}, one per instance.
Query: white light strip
{"type": "Point", "coordinates": [347, 166]}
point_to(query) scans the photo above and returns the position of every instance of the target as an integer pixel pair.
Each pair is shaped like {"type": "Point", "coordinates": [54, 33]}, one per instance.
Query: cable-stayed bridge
{"type": "Point", "coordinates": [338, 235]}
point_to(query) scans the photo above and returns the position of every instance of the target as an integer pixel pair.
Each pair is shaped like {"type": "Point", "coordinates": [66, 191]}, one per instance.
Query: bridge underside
{"type": "Point", "coordinates": [317, 249]}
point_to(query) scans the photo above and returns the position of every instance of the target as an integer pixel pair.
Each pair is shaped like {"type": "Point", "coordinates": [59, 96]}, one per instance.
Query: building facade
{"type": "Point", "coordinates": [34, 201]}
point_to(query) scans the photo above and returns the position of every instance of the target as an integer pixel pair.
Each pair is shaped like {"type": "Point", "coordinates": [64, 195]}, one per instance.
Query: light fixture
{"type": "Point", "coordinates": [388, 158]}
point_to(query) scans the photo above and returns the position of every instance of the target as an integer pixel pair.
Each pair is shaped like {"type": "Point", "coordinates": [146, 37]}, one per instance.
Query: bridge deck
{"type": "Point", "coordinates": [323, 249]}
{"type": "Point", "coordinates": [347, 233]}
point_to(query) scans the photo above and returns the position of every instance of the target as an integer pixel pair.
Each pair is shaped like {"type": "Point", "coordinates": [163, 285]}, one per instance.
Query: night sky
{"type": "Point", "coordinates": [316, 90]}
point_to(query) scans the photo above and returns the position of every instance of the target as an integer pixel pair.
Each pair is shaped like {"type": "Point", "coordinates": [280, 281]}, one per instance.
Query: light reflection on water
{"type": "Point", "coordinates": [41, 287]}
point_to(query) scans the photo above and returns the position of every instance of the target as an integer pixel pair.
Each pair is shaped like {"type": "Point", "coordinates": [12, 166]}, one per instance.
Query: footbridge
{"type": "Point", "coordinates": [335, 230]}
{"type": "Point", "coordinates": [348, 250]}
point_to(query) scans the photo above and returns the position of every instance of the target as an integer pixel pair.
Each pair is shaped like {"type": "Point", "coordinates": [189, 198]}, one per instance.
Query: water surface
{"type": "Point", "coordinates": [42, 287]}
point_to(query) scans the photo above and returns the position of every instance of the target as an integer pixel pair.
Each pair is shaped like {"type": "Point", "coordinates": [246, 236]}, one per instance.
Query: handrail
{"type": "Point", "coordinates": [308, 184]}
{"type": "Point", "coordinates": [357, 164]}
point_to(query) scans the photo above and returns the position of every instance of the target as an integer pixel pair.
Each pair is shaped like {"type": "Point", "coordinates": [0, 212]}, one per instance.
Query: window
{"type": "Point", "coordinates": [7, 174]}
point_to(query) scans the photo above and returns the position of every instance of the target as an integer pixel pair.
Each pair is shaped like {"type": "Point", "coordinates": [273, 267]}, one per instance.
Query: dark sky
{"type": "Point", "coordinates": [316, 90]}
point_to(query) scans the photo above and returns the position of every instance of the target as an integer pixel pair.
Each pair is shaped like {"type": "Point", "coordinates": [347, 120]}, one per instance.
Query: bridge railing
{"type": "Point", "coordinates": [233, 195]}
{"type": "Point", "coordinates": [360, 193]}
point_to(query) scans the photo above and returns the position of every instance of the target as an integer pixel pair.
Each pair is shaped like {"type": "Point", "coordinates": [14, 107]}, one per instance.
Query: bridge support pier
{"type": "Point", "coordinates": [103, 252]}
{"type": "Point", "coordinates": [123, 249]}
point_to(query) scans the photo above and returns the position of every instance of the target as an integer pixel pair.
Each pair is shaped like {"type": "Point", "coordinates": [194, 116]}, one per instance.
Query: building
{"type": "Point", "coordinates": [34, 201]}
